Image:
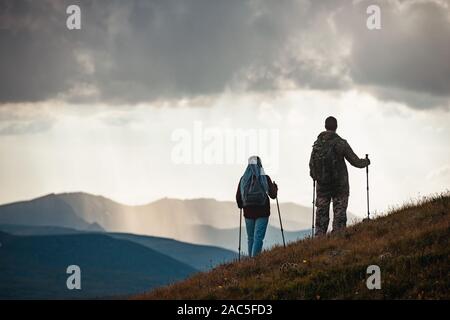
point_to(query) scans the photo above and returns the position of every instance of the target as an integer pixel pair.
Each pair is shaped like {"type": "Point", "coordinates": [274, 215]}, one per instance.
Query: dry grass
{"type": "Point", "coordinates": [410, 244]}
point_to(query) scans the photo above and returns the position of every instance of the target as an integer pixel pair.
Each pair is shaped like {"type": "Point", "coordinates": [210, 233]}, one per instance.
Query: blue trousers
{"type": "Point", "coordinates": [256, 231]}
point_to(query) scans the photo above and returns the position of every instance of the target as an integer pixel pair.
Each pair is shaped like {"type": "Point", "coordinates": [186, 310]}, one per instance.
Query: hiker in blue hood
{"type": "Point", "coordinates": [252, 195]}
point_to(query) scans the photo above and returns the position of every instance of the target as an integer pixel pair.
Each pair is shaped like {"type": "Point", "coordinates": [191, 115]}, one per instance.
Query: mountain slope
{"type": "Point", "coordinates": [21, 230]}
{"type": "Point", "coordinates": [199, 257]}
{"type": "Point", "coordinates": [34, 267]}
{"type": "Point", "coordinates": [172, 214]}
{"type": "Point", "coordinates": [410, 245]}
{"type": "Point", "coordinates": [44, 211]}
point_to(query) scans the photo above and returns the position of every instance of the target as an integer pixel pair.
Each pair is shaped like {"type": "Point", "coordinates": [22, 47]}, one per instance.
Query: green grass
{"type": "Point", "coordinates": [410, 244]}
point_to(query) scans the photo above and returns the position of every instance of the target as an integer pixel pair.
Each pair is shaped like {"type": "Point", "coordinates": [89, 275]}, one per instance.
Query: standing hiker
{"type": "Point", "coordinates": [252, 195]}
{"type": "Point", "coordinates": [328, 169]}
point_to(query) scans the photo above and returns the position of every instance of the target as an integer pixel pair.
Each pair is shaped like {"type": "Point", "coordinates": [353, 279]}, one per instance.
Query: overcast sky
{"type": "Point", "coordinates": [138, 103]}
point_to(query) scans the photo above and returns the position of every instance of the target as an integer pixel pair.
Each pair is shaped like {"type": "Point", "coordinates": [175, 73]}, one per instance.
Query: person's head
{"type": "Point", "coordinates": [331, 124]}
{"type": "Point", "coordinates": [255, 160]}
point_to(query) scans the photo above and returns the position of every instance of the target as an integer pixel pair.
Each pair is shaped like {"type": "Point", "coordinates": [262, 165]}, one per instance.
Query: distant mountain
{"type": "Point", "coordinates": [20, 230]}
{"type": "Point", "coordinates": [168, 218]}
{"type": "Point", "coordinates": [41, 237]}
{"type": "Point", "coordinates": [199, 257]}
{"type": "Point", "coordinates": [48, 210]}
{"type": "Point", "coordinates": [218, 214]}
{"type": "Point", "coordinates": [34, 267]}
{"type": "Point", "coordinates": [4, 238]}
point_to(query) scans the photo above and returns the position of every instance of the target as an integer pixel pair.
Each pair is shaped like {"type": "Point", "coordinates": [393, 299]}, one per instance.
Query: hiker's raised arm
{"type": "Point", "coordinates": [353, 159]}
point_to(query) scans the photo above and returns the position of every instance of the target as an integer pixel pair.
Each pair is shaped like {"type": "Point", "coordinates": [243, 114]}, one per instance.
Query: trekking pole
{"type": "Point", "coordinates": [313, 203]}
{"type": "Point", "coordinates": [367, 180]}
{"type": "Point", "coordinates": [281, 224]}
{"type": "Point", "coordinates": [240, 227]}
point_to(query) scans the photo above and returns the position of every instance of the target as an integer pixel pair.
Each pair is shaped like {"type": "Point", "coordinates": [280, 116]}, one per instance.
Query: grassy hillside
{"type": "Point", "coordinates": [410, 244]}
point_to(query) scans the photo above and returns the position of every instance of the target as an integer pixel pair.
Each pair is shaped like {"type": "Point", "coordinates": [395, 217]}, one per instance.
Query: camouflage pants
{"type": "Point", "coordinates": [323, 213]}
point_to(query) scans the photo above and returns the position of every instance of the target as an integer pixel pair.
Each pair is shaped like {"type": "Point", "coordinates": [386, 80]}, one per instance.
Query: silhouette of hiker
{"type": "Point", "coordinates": [251, 195]}
{"type": "Point", "coordinates": [328, 169]}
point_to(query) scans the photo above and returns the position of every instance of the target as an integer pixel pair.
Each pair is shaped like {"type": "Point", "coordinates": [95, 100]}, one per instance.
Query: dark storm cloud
{"type": "Point", "coordinates": [141, 51]}
{"type": "Point", "coordinates": [35, 59]}
{"type": "Point", "coordinates": [409, 58]}
{"type": "Point", "coordinates": [137, 51]}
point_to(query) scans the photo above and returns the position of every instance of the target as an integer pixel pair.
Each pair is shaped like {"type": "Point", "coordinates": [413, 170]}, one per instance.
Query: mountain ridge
{"type": "Point", "coordinates": [166, 217]}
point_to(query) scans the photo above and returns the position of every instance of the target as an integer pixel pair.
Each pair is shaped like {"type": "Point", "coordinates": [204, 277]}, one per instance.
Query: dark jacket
{"type": "Point", "coordinates": [343, 152]}
{"type": "Point", "coordinates": [254, 212]}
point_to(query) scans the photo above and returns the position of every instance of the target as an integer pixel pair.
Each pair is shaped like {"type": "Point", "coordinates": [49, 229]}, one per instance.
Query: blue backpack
{"type": "Point", "coordinates": [254, 194]}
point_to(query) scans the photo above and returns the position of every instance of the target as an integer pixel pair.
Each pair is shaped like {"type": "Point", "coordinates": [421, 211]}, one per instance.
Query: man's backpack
{"type": "Point", "coordinates": [254, 194]}
{"type": "Point", "coordinates": [324, 162]}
